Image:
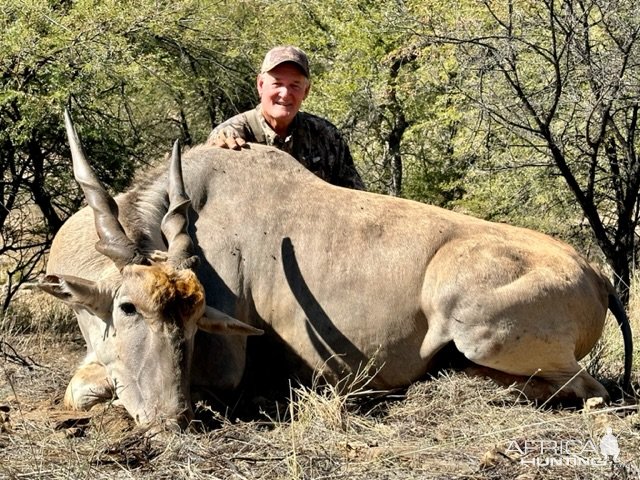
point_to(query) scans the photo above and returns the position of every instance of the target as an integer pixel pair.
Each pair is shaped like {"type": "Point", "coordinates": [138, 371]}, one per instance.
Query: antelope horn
{"type": "Point", "coordinates": [176, 220]}
{"type": "Point", "coordinates": [113, 242]}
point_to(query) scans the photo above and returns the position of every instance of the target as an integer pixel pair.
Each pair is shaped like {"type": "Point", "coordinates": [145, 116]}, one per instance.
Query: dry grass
{"type": "Point", "coordinates": [33, 311]}
{"type": "Point", "coordinates": [450, 427]}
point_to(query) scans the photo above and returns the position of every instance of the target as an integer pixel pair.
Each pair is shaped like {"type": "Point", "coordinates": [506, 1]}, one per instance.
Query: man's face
{"type": "Point", "coordinates": [282, 91]}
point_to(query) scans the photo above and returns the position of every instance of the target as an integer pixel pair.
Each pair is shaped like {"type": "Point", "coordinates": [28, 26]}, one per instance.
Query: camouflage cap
{"type": "Point", "coordinates": [278, 55]}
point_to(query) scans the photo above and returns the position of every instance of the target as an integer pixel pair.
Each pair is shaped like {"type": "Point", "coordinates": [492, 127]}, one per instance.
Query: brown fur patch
{"type": "Point", "coordinates": [173, 292]}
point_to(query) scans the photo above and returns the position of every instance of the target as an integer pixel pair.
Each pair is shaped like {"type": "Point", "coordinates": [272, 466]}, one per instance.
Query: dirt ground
{"type": "Point", "coordinates": [449, 427]}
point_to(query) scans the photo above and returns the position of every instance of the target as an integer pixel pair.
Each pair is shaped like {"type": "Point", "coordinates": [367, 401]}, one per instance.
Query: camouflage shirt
{"type": "Point", "coordinates": [313, 141]}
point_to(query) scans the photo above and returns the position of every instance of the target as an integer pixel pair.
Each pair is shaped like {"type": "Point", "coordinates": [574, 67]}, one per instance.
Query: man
{"type": "Point", "coordinates": [283, 84]}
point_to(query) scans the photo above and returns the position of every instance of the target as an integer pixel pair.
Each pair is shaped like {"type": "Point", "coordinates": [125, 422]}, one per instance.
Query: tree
{"type": "Point", "coordinates": [559, 81]}
{"type": "Point", "coordinates": [136, 76]}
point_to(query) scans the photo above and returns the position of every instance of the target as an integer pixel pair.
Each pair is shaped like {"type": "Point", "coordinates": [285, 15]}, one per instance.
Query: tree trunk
{"type": "Point", "coordinates": [399, 124]}
{"type": "Point", "coordinates": [37, 187]}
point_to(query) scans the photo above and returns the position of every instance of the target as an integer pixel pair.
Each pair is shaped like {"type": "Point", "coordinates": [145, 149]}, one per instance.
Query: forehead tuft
{"type": "Point", "coordinates": [168, 289]}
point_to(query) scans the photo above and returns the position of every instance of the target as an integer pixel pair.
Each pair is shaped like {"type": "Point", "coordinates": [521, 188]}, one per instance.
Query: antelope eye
{"type": "Point", "coordinates": [128, 308]}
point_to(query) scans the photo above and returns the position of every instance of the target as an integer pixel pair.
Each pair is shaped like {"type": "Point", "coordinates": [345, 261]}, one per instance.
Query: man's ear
{"type": "Point", "coordinates": [78, 293]}
{"type": "Point", "coordinates": [259, 84]}
{"type": "Point", "coordinates": [215, 321]}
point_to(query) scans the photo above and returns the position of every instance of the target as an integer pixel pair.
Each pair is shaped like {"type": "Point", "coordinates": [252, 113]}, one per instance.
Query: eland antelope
{"type": "Point", "coordinates": [342, 278]}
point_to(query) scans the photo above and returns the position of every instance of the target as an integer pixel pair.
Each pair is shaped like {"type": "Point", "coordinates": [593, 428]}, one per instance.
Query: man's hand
{"type": "Point", "coordinates": [228, 138]}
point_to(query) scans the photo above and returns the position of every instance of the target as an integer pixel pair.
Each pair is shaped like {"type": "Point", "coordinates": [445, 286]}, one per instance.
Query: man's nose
{"type": "Point", "coordinates": [285, 91]}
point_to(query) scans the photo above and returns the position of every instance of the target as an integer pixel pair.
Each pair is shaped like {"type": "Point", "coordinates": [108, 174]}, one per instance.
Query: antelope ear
{"type": "Point", "coordinates": [78, 293]}
{"type": "Point", "coordinates": [215, 321]}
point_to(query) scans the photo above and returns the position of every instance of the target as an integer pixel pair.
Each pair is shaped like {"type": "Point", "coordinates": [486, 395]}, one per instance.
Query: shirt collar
{"type": "Point", "coordinates": [272, 137]}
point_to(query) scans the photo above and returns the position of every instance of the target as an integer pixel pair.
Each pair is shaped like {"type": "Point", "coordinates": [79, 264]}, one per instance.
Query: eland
{"type": "Point", "coordinates": [341, 279]}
